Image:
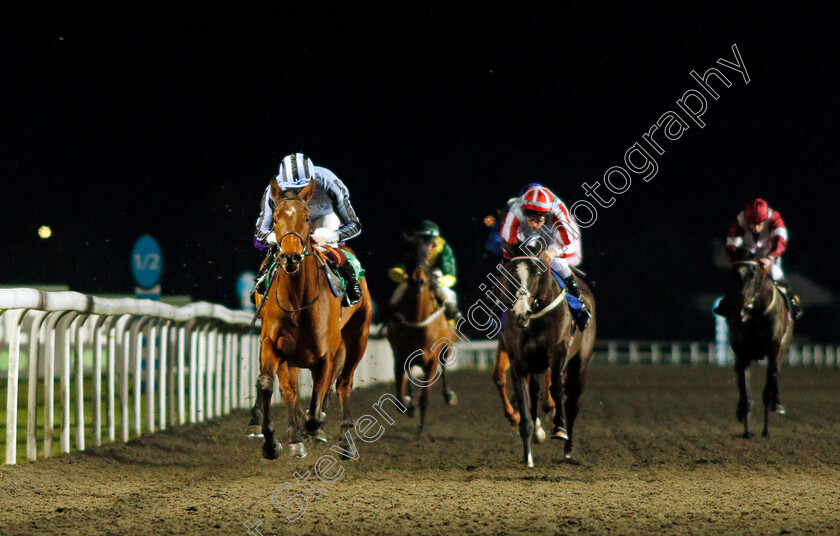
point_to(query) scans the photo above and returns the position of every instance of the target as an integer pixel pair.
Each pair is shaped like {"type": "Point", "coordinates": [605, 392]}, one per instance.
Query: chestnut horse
{"type": "Point", "coordinates": [419, 334]}
{"type": "Point", "coordinates": [538, 337]}
{"type": "Point", "coordinates": [304, 326]}
{"type": "Point", "coordinates": [759, 327]}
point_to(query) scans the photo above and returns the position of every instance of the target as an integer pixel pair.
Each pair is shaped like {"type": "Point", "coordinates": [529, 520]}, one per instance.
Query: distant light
{"type": "Point", "coordinates": [44, 232]}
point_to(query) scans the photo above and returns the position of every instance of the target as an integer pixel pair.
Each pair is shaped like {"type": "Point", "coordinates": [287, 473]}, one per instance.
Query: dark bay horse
{"type": "Point", "coordinates": [304, 326]}
{"type": "Point", "coordinates": [759, 327]}
{"type": "Point", "coordinates": [419, 333]}
{"type": "Point", "coordinates": [502, 365]}
{"type": "Point", "coordinates": [538, 337]}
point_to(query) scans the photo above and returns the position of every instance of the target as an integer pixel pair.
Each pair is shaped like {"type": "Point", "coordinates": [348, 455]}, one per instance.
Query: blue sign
{"type": "Point", "coordinates": [244, 286]}
{"type": "Point", "coordinates": [146, 262]}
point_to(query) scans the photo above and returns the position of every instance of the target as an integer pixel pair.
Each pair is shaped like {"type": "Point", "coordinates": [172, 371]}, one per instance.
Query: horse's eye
{"type": "Point", "coordinates": [308, 219]}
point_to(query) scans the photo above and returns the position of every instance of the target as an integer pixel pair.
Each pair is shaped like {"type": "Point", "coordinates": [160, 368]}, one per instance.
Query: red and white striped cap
{"type": "Point", "coordinates": [296, 170]}
{"type": "Point", "coordinates": [538, 199]}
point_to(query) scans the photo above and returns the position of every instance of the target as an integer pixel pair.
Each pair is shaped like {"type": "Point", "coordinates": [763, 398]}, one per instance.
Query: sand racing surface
{"type": "Point", "coordinates": [658, 451]}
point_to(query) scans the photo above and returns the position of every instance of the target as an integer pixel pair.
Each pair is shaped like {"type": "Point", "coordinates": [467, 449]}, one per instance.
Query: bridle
{"type": "Point", "coordinates": [521, 292]}
{"type": "Point", "coordinates": [296, 259]}
{"type": "Point", "coordinates": [751, 304]}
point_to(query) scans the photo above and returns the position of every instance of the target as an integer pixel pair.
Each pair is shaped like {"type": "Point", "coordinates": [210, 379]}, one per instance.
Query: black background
{"type": "Point", "coordinates": [117, 122]}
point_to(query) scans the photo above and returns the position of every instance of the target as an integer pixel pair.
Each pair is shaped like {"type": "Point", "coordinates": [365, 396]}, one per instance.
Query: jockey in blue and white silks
{"type": "Point", "coordinates": [333, 217]}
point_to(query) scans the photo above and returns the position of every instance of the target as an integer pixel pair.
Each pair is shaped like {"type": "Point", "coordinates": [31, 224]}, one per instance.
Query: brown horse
{"type": "Point", "coordinates": [419, 334]}
{"type": "Point", "coordinates": [538, 337]}
{"type": "Point", "coordinates": [759, 327]}
{"type": "Point", "coordinates": [304, 326]}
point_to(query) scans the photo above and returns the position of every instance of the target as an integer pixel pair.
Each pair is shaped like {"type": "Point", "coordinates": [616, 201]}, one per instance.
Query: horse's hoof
{"type": "Point", "coordinates": [297, 450]}
{"type": "Point", "coordinates": [779, 409]}
{"type": "Point", "coordinates": [323, 415]}
{"type": "Point", "coordinates": [765, 433]}
{"type": "Point", "coordinates": [559, 433]}
{"type": "Point", "coordinates": [747, 435]}
{"type": "Point", "coordinates": [450, 398]}
{"type": "Point", "coordinates": [272, 453]}
{"type": "Point", "coordinates": [253, 432]}
{"type": "Point", "coordinates": [539, 433]}
{"type": "Point", "coordinates": [345, 447]}
{"type": "Point", "coordinates": [529, 461]}
{"type": "Point", "coordinates": [320, 436]}
{"type": "Point", "coordinates": [567, 455]}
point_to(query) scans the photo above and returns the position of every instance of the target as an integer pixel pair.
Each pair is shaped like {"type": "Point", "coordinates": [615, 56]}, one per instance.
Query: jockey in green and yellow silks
{"type": "Point", "coordinates": [441, 262]}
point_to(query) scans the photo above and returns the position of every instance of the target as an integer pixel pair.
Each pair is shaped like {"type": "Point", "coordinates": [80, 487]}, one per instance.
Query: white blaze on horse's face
{"type": "Point", "coordinates": [522, 305]}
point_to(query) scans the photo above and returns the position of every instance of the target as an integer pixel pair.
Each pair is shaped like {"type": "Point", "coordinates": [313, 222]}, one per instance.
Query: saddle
{"type": "Point", "coordinates": [339, 265]}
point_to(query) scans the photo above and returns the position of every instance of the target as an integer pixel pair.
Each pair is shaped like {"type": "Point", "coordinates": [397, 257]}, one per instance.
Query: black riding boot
{"type": "Point", "coordinates": [583, 317]}
{"type": "Point", "coordinates": [259, 280]}
{"type": "Point", "coordinates": [352, 288]}
{"type": "Point", "coordinates": [791, 299]}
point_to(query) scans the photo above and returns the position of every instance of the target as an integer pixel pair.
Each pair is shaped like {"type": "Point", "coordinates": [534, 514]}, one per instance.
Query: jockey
{"type": "Point", "coordinates": [527, 218]}
{"type": "Point", "coordinates": [442, 265]}
{"type": "Point", "coordinates": [333, 217]}
{"type": "Point", "coordinates": [760, 230]}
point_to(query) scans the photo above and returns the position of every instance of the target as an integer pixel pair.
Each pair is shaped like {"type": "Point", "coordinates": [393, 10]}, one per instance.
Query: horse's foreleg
{"type": "Point", "coordinates": [500, 377]}
{"type": "Point", "coordinates": [742, 373]}
{"type": "Point", "coordinates": [338, 366]}
{"type": "Point", "coordinates": [321, 376]}
{"type": "Point", "coordinates": [448, 394]}
{"type": "Point", "coordinates": [535, 391]}
{"type": "Point", "coordinates": [254, 429]}
{"type": "Point", "coordinates": [265, 386]}
{"type": "Point", "coordinates": [526, 425]}
{"type": "Point", "coordinates": [288, 381]}
{"type": "Point", "coordinates": [294, 381]}
{"type": "Point", "coordinates": [401, 386]}
{"type": "Point", "coordinates": [558, 431]}
{"type": "Point", "coordinates": [546, 401]}
{"type": "Point", "coordinates": [430, 370]}
{"type": "Point", "coordinates": [770, 395]}
{"type": "Point", "coordinates": [573, 386]}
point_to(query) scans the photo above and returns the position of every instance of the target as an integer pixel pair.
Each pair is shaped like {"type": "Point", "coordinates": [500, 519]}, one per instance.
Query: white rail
{"type": "Point", "coordinates": [200, 361]}
{"type": "Point", "coordinates": [148, 347]}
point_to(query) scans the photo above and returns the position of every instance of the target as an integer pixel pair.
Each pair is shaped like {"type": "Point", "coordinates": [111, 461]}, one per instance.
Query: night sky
{"type": "Point", "coordinates": [118, 123]}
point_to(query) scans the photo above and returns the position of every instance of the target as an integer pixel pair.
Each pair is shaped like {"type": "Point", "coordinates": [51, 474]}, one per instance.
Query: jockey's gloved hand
{"type": "Point", "coordinates": [271, 239]}
{"type": "Point", "coordinates": [765, 262]}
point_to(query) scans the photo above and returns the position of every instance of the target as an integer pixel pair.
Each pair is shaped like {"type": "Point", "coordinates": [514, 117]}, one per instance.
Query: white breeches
{"type": "Point", "coordinates": [326, 225]}
{"type": "Point", "coordinates": [776, 269]}
{"type": "Point", "coordinates": [561, 266]}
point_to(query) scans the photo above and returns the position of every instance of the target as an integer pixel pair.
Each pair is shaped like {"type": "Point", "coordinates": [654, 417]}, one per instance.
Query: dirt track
{"type": "Point", "coordinates": [658, 452]}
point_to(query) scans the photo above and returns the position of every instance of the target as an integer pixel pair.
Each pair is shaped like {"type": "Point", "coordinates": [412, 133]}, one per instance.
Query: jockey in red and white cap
{"type": "Point", "coordinates": [538, 212]}
{"type": "Point", "coordinates": [760, 231]}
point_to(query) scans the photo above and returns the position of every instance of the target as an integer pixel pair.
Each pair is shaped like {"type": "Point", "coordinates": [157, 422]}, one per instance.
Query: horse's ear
{"type": "Point", "coordinates": [509, 249]}
{"type": "Point", "coordinates": [275, 190]}
{"type": "Point", "coordinates": [306, 193]}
